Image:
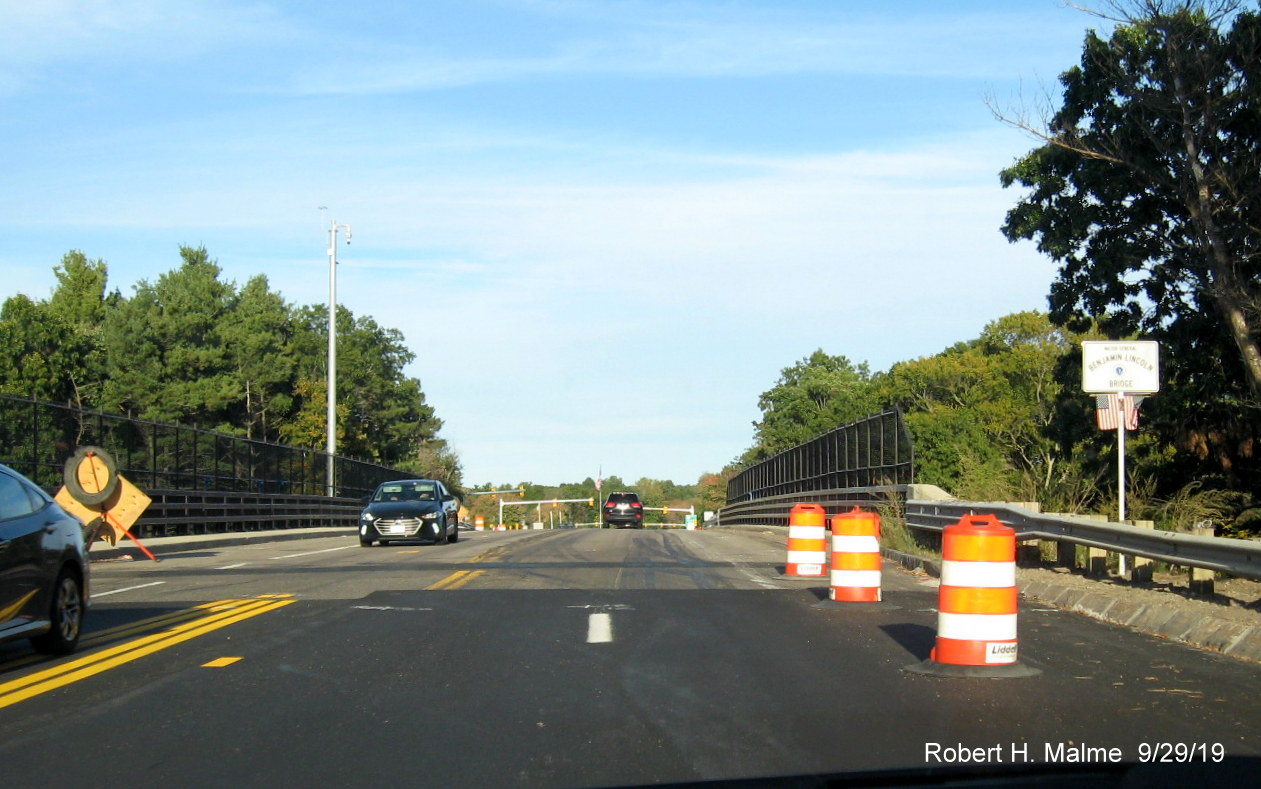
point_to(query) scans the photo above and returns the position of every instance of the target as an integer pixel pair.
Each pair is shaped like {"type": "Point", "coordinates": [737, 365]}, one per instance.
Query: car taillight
{"type": "Point", "coordinates": [637, 505]}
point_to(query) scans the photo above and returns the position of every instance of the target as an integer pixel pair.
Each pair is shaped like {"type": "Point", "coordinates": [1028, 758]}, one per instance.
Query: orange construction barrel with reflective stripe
{"type": "Point", "coordinates": [977, 604]}
{"type": "Point", "coordinates": [855, 574]}
{"type": "Point", "coordinates": [807, 541]}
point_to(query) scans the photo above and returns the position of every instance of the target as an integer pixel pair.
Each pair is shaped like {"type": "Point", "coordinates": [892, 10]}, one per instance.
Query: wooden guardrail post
{"type": "Point", "coordinates": [1202, 579]}
{"type": "Point", "coordinates": [1066, 554]}
{"type": "Point", "coordinates": [1096, 558]}
{"type": "Point", "coordinates": [1141, 567]}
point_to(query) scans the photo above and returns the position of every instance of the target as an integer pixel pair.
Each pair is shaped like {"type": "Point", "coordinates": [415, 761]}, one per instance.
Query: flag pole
{"type": "Point", "coordinates": [1121, 457]}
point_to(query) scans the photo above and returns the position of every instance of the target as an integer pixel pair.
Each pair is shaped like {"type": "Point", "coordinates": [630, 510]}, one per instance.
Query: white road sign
{"type": "Point", "coordinates": [1118, 366]}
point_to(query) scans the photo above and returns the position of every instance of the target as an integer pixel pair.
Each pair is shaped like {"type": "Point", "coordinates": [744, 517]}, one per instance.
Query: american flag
{"type": "Point", "coordinates": [1110, 407]}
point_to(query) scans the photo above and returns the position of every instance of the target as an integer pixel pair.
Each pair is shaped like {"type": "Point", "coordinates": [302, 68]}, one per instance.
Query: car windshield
{"type": "Point", "coordinates": [407, 491]}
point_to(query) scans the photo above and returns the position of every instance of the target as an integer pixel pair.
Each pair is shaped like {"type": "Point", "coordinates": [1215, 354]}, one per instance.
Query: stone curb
{"type": "Point", "coordinates": [1235, 639]}
{"type": "Point", "coordinates": [1231, 638]}
{"type": "Point", "coordinates": [914, 563]}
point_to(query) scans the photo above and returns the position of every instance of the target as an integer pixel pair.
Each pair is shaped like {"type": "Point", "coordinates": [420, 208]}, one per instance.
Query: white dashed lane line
{"type": "Point", "coordinates": [312, 553]}
{"type": "Point", "coordinates": [124, 589]}
{"type": "Point", "coordinates": [599, 628]}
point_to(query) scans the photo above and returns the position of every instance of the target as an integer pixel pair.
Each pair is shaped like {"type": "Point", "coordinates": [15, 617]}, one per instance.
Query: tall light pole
{"type": "Point", "coordinates": [330, 446]}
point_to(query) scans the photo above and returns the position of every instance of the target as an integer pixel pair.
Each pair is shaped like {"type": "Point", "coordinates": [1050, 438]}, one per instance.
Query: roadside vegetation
{"type": "Point", "coordinates": [652, 493]}
{"type": "Point", "coordinates": [193, 349]}
{"type": "Point", "coordinates": [1142, 189]}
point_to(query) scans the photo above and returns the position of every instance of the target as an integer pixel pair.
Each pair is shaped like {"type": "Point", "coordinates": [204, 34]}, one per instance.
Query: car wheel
{"type": "Point", "coordinates": [365, 542]}
{"type": "Point", "coordinates": [455, 534]}
{"type": "Point", "coordinates": [66, 615]}
{"type": "Point", "coordinates": [443, 539]}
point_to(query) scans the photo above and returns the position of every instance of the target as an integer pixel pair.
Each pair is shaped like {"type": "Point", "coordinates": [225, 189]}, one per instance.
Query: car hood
{"type": "Point", "coordinates": [401, 509]}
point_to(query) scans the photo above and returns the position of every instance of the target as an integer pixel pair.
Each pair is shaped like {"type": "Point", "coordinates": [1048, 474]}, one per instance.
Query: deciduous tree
{"type": "Point", "coordinates": [816, 394]}
{"type": "Point", "coordinates": [1145, 191]}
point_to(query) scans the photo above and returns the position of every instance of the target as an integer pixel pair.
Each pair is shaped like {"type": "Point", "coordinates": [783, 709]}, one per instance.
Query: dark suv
{"type": "Point", "coordinates": [623, 510]}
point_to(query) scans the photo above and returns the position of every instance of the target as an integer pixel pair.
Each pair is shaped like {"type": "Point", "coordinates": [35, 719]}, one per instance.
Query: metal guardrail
{"type": "Point", "coordinates": [176, 513]}
{"type": "Point", "coordinates": [1240, 558]}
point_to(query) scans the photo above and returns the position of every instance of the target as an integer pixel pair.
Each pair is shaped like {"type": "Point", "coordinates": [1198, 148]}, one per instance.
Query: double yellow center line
{"type": "Point", "coordinates": [461, 577]}
{"type": "Point", "coordinates": [217, 614]}
{"type": "Point", "coordinates": [455, 580]}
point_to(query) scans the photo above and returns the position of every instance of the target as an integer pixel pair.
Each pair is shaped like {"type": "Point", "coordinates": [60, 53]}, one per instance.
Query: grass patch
{"type": "Point", "coordinates": [896, 535]}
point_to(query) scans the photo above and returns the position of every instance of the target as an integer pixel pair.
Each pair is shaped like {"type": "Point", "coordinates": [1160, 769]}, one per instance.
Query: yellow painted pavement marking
{"type": "Point", "coordinates": [221, 662]}
{"type": "Point", "coordinates": [461, 577]}
{"type": "Point", "coordinates": [122, 631]}
{"type": "Point", "coordinates": [221, 614]}
{"type": "Point", "coordinates": [491, 555]}
{"type": "Point", "coordinates": [455, 580]}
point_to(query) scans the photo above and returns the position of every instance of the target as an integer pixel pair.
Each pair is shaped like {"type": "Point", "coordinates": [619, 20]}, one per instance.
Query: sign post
{"type": "Point", "coordinates": [1129, 371]}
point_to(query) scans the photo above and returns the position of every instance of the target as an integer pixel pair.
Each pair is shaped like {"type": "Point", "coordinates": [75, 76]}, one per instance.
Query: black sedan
{"type": "Point", "coordinates": [410, 509]}
{"type": "Point", "coordinates": [43, 567]}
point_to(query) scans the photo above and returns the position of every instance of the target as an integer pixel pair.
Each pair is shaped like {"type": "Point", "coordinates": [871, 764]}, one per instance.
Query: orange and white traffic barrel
{"type": "Point", "coordinates": [807, 541]}
{"type": "Point", "coordinates": [479, 523]}
{"type": "Point", "coordinates": [977, 602]}
{"type": "Point", "coordinates": [855, 576]}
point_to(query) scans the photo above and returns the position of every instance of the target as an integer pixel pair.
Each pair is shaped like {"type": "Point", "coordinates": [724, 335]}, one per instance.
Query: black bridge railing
{"type": "Point", "coordinates": [871, 452]}
{"type": "Point", "coordinates": [37, 437]}
{"type": "Point", "coordinates": [242, 483]}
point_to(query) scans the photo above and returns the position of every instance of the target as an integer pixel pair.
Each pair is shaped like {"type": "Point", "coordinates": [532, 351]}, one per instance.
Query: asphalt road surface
{"type": "Point", "coordinates": [565, 659]}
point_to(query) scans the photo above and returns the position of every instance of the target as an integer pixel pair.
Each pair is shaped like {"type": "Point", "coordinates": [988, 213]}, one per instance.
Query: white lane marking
{"type": "Point", "coordinates": [96, 594]}
{"type": "Point", "coordinates": [745, 570]}
{"type": "Point", "coordinates": [233, 566]}
{"type": "Point", "coordinates": [386, 608]}
{"type": "Point", "coordinates": [752, 575]}
{"type": "Point", "coordinates": [599, 628]}
{"type": "Point", "coordinates": [312, 553]}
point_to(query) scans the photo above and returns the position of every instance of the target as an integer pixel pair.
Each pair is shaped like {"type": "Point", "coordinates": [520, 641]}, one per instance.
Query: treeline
{"type": "Point", "coordinates": [191, 348]}
{"type": "Point", "coordinates": [652, 492]}
{"type": "Point", "coordinates": [1003, 417]}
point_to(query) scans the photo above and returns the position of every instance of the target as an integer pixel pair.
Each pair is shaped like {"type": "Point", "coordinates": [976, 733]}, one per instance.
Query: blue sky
{"type": "Point", "coordinates": [603, 227]}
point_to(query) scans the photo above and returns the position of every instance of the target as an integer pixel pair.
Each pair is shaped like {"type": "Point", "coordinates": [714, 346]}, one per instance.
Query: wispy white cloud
{"type": "Point", "coordinates": [653, 40]}
{"type": "Point", "coordinates": [51, 31]}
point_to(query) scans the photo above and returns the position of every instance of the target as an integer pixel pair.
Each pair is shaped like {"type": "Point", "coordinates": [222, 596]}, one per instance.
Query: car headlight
{"type": "Point", "coordinates": [431, 516]}
{"type": "Point", "coordinates": [368, 516]}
